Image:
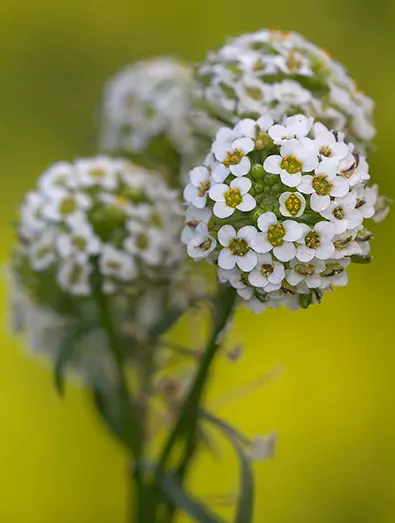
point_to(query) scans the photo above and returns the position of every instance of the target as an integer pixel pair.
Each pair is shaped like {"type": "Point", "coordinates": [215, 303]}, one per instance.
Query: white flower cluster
{"type": "Point", "coordinates": [99, 212]}
{"type": "Point", "coordinates": [284, 74]}
{"type": "Point", "coordinates": [148, 101]}
{"type": "Point", "coordinates": [280, 209]}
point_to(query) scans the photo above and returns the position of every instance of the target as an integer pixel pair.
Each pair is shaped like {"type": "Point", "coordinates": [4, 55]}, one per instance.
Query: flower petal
{"type": "Point", "coordinates": [243, 144]}
{"type": "Point", "coordinates": [325, 250]}
{"type": "Point", "coordinates": [226, 259]}
{"type": "Point", "coordinates": [260, 243]}
{"type": "Point", "coordinates": [220, 173]}
{"type": "Point", "coordinates": [265, 220]}
{"type": "Point", "coordinates": [247, 233]}
{"type": "Point", "coordinates": [247, 262]}
{"type": "Point", "coordinates": [247, 204]}
{"type": "Point", "coordinates": [293, 231]}
{"type": "Point", "coordinates": [217, 192]}
{"type": "Point", "coordinates": [226, 234]}
{"type": "Point", "coordinates": [292, 180]}
{"type": "Point", "coordinates": [199, 175]}
{"type": "Point", "coordinates": [306, 185]}
{"type": "Point", "coordinates": [243, 184]}
{"type": "Point", "coordinates": [285, 252]}
{"type": "Point", "coordinates": [340, 187]}
{"type": "Point", "coordinates": [325, 229]}
{"type": "Point", "coordinates": [272, 164]}
{"type": "Point", "coordinates": [222, 210]}
{"type": "Point", "coordinates": [241, 168]}
{"type": "Point", "coordinates": [319, 203]}
{"type": "Point", "coordinates": [304, 254]}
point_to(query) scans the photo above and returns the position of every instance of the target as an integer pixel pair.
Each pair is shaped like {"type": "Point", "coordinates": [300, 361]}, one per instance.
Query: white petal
{"type": "Point", "coordinates": [292, 180]}
{"type": "Point", "coordinates": [340, 187]}
{"type": "Point", "coordinates": [247, 233]}
{"type": "Point", "coordinates": [309, 160]}
{"type": "Point", "coordinates": [226, 234]}
{"type": "Point", "coordinates": [247, 262]}
{"type": "Point", "coordinates": [328, 167]}
{"type": "Point", "coordinates": [241, 168]}
{"type": "Point", "coordinates": [190, 192]}
{"type": "Point", "coordinates": [222, 210]}
{"type": "Point", "coordinates": [293, 231]}
{"type": "Point", "coordinates": [266, 220]}
{"type": "Point", "coordinates": [247, 127]}
{"type": "Point", "coordinates": [325, 229]}
{"type": "Point", "coordinates": [220, 173]}
{"type": "Point", "coordinates": [325, 250]}
{"type": "Point", "coordinates": [319, 203]}
{"type": "Point", "coordinates": [199, 175]}
{"type": "Point", "coordinates": [257, 279]}
{"type": "Point", "coordinates": [243, 144]}
{"type": "Point", "coordinates": [243, 184]}
{"type": "Point", "coordinates": [217, 192]}
{"type": "Point", "coordinates": [220, 150]}
{"type": "Point", "coordinates": [306, 185]}
{"type": "Point", "coordinates": [261, 244]}
{"type": "Point", "coordinates": [265, 121]}
{"type": "Point", "coordinates": [304, 254]}
{"type": "Point", "coordinates": [226, 259]}
{"type": "Point", "coordinates": [272, 164]}
{"type": "Point", "coordinates": [285, 252]}
{"type": "Point", "coordinates": [247, 204]}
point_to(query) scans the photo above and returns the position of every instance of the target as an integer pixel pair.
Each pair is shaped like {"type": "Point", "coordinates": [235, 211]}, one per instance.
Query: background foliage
{"type": "Point", "coordinates": [332, 406]}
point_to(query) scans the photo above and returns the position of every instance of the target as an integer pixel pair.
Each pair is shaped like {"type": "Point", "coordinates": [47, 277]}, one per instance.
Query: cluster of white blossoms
{"type": "Point", "coordinates": [146, 108]}
{"type": "Point", "coordinates": [284, 74]}
{"type": "Point", "coordinates": [98, 214]}
{"type": "Point", "coordinates": [280, 208]}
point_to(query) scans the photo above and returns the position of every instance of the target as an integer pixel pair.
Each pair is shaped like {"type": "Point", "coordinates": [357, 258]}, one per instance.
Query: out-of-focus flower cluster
{"type": "Point", "coordinates": [146, 114]}
{"type": "Point", "coordinates": [284, 74]}
{"type": "Point", "coordinates": [100, 211]}
{"type": "Point", "coordinates": [280, 208]}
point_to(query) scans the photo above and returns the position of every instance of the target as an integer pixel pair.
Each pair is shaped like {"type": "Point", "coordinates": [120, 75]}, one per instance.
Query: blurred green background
{"type": "Point", "coordinates": [333, 407]}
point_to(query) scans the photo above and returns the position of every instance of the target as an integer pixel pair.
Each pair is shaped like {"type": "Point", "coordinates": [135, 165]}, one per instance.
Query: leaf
{"type": "Point", "coordinates": [66, 351]}
{"type": "Point", "coordinates": [361, 259]}
{"type": "Point", "coordinates": [245, 500]}
{"type": "Point", "coordinates": [166, 321]}
{"type": "Point", "coordinates": [174, 490]}
{"type": "Point", "coordinates": [121, 416]}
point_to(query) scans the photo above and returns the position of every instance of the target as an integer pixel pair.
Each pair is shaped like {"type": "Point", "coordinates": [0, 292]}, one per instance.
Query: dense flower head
{"type": "Point", "coordinates": [98, 214]}
{"type": "Point", "coordinates": [146, 113]}
{"type": "Point", "coordinates": [280, 209]}
{"type": "Point", "coordinates": [285, 74]}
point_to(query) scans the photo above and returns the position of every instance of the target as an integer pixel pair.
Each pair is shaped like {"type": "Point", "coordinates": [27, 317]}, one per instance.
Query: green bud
{"type": "Point", "coordinates": [257, 172]}
{"type": "Point", "coordinates": [271, 179]}
{"type": "Point", "coordinates": [105, 220]}
{"type": "Point", "coordinates": [361, 259]}
{"type": "Point", "coordinates": [364, 235]}
{"type": "Point", "coordinates": [259, 187]}
{"type": "Point", "coordinates": [332, 269]}
{"type": "Point", "coordinates": [305, 300]}
{"type": "Point", "coordinates": [256, 213]}
{"type": "Point", "coordinates": [277, 188]}
{"type": "Point", "coordinates": [263, 140]}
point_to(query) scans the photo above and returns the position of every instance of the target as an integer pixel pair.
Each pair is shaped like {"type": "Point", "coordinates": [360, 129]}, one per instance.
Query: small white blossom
{"type": "Point", "coordinates": [79, 242]}
{"type": "Point", "coordinates": [276, 236]}
{"type": "Point", "coordinates": [294, 159]}
{"type": "Point", "coordinates": [229, 198]}
{"type": "Point", "coordinates": [117, 263]}
{"type": "Point", "coordinates": [237, 248]}
{"type": "Point", "coordinates": [343, 214]}
{"type": "Point", "coordinates": [202, 244]}
{"type": "Point", "coordinates": [268, 273]}
{"type": "Point", "coordinates": [308, 272]}
{"type": "Point", "coordinates": [42, 252]}
{"type": "Point", "coordinates": [73, 277]}
{"type": "Point", "coordinates": [63, 206]}
{"type": "Point", "coordinates": [193, 217]}
{"type": "Point", "coordinates": [297, 126]}
{"type": "Point", "coordinates": [233, 158]}
{"type": "Point", "coordinates": [195, 193]}
{"type": "Point", "coordinates": [100, 172]}
{"type": "Point", "coordinates": [292, 204]}
{"type": "Point", "coordinates": [316, 242]}
{"type": "Point", "coordinates": [345, 245]}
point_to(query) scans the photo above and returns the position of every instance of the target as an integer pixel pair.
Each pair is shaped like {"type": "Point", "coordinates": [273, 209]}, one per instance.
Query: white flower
{"type": "Point", "coordinates": [64, 206]}
{"type": "Point", "coordinates": [229, 198]}
{"type": "Point", "coordinates": [366, 199]}
{"type": "Point", "coordinates": [326, 145]}
{"type": "Point", "coordinates": [335, 273]}
{"type": "Point", "coordinates": [343, 214]}
{"type": "Point", "coordinates": [253, 95]}
{"type": "Point", "coordinates": [233, 158]}
{"type": "Point", "coordinates": [195, 193]}
{"type": "Point", "coordinates": [32, 223]}
{"type": "Point", "coordinates": [297, 126]}
{"type": "Point", "coordinates": [237, 248]}
{"type": "Point", "coordinates": [294, 160]}
{"type": "Point", "coordinates": [145, 242]}
{"type": "Point", "coordinates": [355, 169]}
{"type": "Point", "coordinates": [117, 263]}
{"type": "Point", "coordinates": [73, 277]}
{"type": "Point", "coordinates": [253, 128]}
{"type": "Point", "coordinates": [292, 204]}
{"type": "Point", "coordinates": [308, 272]}
{"type": "Point", "coordinates": [202, 244]}
{"type": "Point", "coordinates": [42, 252]}
{"type": "Point", "coordinates": [79, 243]}
{"type": "Point", "coordinates": [324, 184]}
{"type": "Point", "coordinates": [345, 245]}
{"type": "Point", "coordinates": [277, 236]}
{"type": "Point", "coordinates": [291, 93]}
{"type": "Point", "coordinates": [101, 171]}
{"type": "Point", "coordinates": [193, 217]}
{"type": "Point", "coordinates": [316, 242]}
{"type": "Point", "coordinates": [268, 274]}
{"type": "Point", "coordinates": [60, 176]}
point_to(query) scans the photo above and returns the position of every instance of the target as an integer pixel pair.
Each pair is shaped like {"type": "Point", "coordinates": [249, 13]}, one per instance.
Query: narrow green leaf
{"type": "Point", "coordinates": [66, 351]}
{"type": "Point", "coordinates": [245, 501]}
{"type": "Point", "coordinates": [174, 490]}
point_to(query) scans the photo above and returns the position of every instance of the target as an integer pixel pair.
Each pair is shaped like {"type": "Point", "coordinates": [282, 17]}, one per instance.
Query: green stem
{"type": "Point", "coordinates": [187, 424]}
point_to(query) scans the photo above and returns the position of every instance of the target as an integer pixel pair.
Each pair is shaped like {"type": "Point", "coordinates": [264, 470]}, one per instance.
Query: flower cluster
{"type": "Point", "coordinates": [146, 111]}
{"type": "Point", "coordinates": [280, 209]}
{"type": "Point", "coordinates": [284, 74]}
{"type": "Point", "coordinates": [99, 214]}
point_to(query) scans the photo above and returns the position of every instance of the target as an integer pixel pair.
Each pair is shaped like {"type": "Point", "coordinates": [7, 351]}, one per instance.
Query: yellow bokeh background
{"type": "Point", "coordinates": [332, 407]}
